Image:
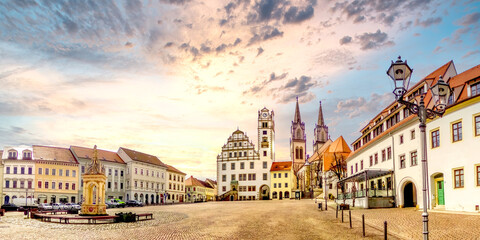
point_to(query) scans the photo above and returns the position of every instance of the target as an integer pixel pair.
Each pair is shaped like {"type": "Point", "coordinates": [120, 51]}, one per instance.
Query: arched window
{"type": "Point", "coordinates": [27, 155]}
{"type": "Point", "coordinates": [301, 153]}
{"type": "Point", "coordinates": [274, 195]}
{"type": "Point", "coordinates": [296, 153]}
{"type": "Point", "coordinates": [12, 154]}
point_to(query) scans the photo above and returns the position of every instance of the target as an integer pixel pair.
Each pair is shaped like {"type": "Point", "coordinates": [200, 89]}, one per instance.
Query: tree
{"type": "Point", "coordinates": [318, 168]}
{"type": "Point", "coordinates": [339, 169]}
{"type": "Point", "coordinates": [296, 167]}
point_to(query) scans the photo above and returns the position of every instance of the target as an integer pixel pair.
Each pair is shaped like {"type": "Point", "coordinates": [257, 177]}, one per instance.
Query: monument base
{"type": "Point", "coordinates": [93, 210]}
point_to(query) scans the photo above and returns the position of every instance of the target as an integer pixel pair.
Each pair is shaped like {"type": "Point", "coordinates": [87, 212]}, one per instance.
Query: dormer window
{"type": "Point", "coordinates": [12, 154]}
{"type": "Point", "coordinates": [27, 155]}
{"type": "Point", "coordinates": [451, 99]}
{"type": "Point", "coordinates": [475, 89]}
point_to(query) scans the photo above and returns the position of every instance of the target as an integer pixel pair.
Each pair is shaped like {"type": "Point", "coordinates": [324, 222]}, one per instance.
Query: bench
{"type": "Point", "coordinates": [146, 215]}
{"type": "Point", "coordinates": [66, 219]}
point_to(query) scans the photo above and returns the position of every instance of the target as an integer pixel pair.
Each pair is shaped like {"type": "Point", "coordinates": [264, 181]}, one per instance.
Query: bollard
{"type": "Point", "coordinates": [350, 218]}
{"type": "Point", "coordinates": [336, 214]}
{"type": "Point", "coordinates": [385, 230]}
{"type": "Point", "coordinates": [363, 224]}
{"type": "Point", "coordinates": [342, 215]}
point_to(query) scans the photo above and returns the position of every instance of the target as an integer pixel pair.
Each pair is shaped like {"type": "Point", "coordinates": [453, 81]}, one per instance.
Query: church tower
{"type": "Point", "coordinates": [321, 131]}
{"type": "Point", "coordinates": [298, 138]}
{"type": "Point", "coordinates": [266, 135]}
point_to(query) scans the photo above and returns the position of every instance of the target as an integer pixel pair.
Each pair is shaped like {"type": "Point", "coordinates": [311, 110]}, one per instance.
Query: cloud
{"type": "Point", "coordinates": [470, 19]}
{"type": "Point", "coordinates": [257, 88]}
{"type": "Point", "coordinates": [128, 45]}
{"type": "Point", "coordinates": [168, 44]}
{"type": "Point", "coordinates": [373, 40]}
{"type": "Point", "coordinates": [345, 40]}
{"type": "Point", "coordinates": [428, 22]}
{"type": "Point", "coordinates": [259, 51]}
{"type": "Point", "coordinates": [177, 2]}
{"type": "Point", "coordinates": [355, 107]}
{"type": "Point", "coordinates": [293, 15]}
{"type": "Point", "coordinates": [437, 49]}
{"type": "Point", "coordinates": [263, 34]}
{"type": "Point", "coordinates": [295, 87]}
{"type": "Point", "coordinates": [471, 53]}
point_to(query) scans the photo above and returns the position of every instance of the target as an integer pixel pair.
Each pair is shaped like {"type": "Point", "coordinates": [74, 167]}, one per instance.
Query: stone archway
{"type": "Point", "coordinates": [152, 201]}
{"type": "Point", "coordinates": [7, 199]}
{"type": "Point", "coordinates": [409, 193]}
{"type": "Point", "coordinates": [264, 193]}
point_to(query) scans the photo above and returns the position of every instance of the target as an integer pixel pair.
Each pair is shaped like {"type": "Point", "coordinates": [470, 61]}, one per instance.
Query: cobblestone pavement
{"type": "Point", "coordinates": [287, 219]}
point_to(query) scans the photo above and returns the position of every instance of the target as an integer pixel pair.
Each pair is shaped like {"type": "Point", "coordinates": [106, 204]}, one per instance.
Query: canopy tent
{"type": "Point", "coordinates": [366, 175]}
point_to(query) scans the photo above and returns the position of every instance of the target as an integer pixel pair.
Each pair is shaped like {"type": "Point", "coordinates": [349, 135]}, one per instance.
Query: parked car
{"type": "Point", "coordinates": [109, 204]}
{"type": "Point", "coordinates": [45, 206]}
{"type": "Point", "coordinates": [75, 206]}
{"type": "Point", "coordinates": [134, 203]}
{"type": "Point", "coordinates": [58, 206]}
{"type": "Point", "coordinates": [10, 207]}
{"type": "Point", "coordinates": [118, 203]}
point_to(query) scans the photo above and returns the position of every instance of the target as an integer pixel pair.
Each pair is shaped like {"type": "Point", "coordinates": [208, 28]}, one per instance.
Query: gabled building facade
{"type": "Point", "coordinates": [18, 173]}
{"type": "Point", "coordinates": [145, 177]}
{"type": "Point", "coordinates": [175, 185]}
{"type": "Point", "coordinates": [281, 180]}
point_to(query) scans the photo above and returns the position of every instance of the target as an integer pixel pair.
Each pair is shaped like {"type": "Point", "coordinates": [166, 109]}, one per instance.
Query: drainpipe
{"type": "Point", "coordinates": [394, 180]}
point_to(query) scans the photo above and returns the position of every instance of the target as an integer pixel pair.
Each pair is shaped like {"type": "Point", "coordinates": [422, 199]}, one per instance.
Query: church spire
{"type": "Point", "coordinates": [298, 118]}
{"type": "Point", "coordinates": [321, 122]}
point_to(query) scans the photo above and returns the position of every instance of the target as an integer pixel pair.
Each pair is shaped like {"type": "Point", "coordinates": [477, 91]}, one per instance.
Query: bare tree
{"type": "Point", "coordinates": [339, 169]}
{"type": "Point", "coordinates": [317, 169]}
{"type": "Point", "coordinates": [296, 172]}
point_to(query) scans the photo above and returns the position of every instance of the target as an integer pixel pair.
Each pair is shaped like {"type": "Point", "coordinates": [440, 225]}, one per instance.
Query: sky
{"type": "Point", "coordinates": [175, 78]}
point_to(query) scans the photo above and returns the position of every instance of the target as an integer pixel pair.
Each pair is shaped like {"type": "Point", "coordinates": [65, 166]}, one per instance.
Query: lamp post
{"type": "Point", "coordinates": [400, 73]}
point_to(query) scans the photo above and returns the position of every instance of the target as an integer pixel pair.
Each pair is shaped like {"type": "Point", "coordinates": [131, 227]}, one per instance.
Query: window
{"type": "Point", "coordinates": [245, 153]}
{"type": "Point", "coordinates": [46, 171]}
{"type": "Point", "coordinates": [224, 188]}
{"type": "Point", "coordinates": [224, 166]}
{"type": "Point", "coordinates": [413, 158]}
{"type": "Point", "coordinates": [286, 185]}
{"type": "Point", "coordinates": [39, 170]}
{"type": "Point", "coordinates": [39, 184]}
{"type": "Point", "coordinates": [60, 172]}
{"type": "Point", "coordinates": [401, 139]}
{"type": "Point", "coordinates": [475, 89]}
{"type": "Point", "coordinates": [60, 185]}
{"type": "Point", "coordinates": [252, 164]}
{"type": "Point", "coordinates": [412, 134]}
{"type": "Point", "coordinates": [54, 171]}
{"type": "Point", "coordinates": [83, 169]}
{"type": "Point", "coordinates": [29, 184]}
{"type": "Point", "coordinates": [67, 185]}
{"type": "Point", "coordinates": [384, 156]}
{"type": "Point", "coordinates": [14, 170]}
{"type": "Point", "coordinates": [53, 185]}
{"type": "Point", "coordinates": [116, 172]}
{"type": "Point", "coordinates": [229, 154]}
{"type": "Point", "coordinates": [46, 185]}
{"type": "Point", "coordinates": [356, 167]}
{"type": "Point", "coordinates": [279, 175]}
{"type": "Point", "coordinates": [232, 166]}
{"type": "Point", "coordinates": [477, 126]}
{"type": "Point", "coordinates": [376, 158]}
{"type": "Point", "coordinates": [30, 171]}
{"type": "Point", "coordinates": [458, 173]}
{"type": "Point", "coordinates": [264, 153]}
{"type": "Point", "coordinates": [109, 185]}
{"type": "Point", "coordinates": [264, 124]}
{"type": "Point", "coordinates": [22, 184]}
{"type": "Point", "coordinates": [402, 161]}
{"type": "Point", "coordinates": [351, 169]}
{"type": "Point", "coordinates": [73, 186]}
{"type": "Point", "coordinates": [224, 178]}
{"type": "Point", "coordinates": [457, 131]}
{"type": "Point", "coordinates": [141, 171]}
{"type": "Point", "coordinates": [478, 174]}
{"type": "Point", "coordinates": [12, 154]}
{"type": "Point", "coordinates": [279, 185]}
{"type": "Point", "coordinates": [27, 155]}
{"type": "Point", "coordinates": [121, 174]}
{"type": "Point", "coordinates": [74, 173]}
{"type": "Point", "coordinates": [265, 176]}
{"type": "Point", "coordinates": [22, 170]}
{"type": "Point", "coordinates": [264, 165]}
{"type": "Point", "coordinates": [67, 173]}
{"type": "Point", "coordinates": [371, 161]}
{"type": "Point", "coordinates": [264, 132]}
{"type": "Point", "coordinates": [389, 153]}
{"type": "Point", "coordinates": [235, 154]}
{"type": "Point", "coordinates": [435, 138]}
{"type": "Point", "coordinates": [8, 171]}
{"type": "Point", "coordinates": [361, 165]}
{"type": "Point", "coordinates": [274, 175]}
{"type": "Point", "coordinates": [274, 185]}
{"type": "Point", "coordinates": [233, 177]}
{"type": "Point", "coordinates": [286, 175]}
{"type": "Point", "coordinates": [242, 165]}
{"type": "Point", "coordinates": [14, 184]}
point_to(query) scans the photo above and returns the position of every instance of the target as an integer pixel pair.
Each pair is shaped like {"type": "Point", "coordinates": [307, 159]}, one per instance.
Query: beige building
{"type": "Point", "coordinates": [281, 180]}
{"type": "Point", "coordinates": [175, 185]}
{"type": "Point", "coordinates": [56, 175]}
{"type": "Point", "coordinates": [195, 190]}
{"type": "Point", "coordinates": [19, 173]}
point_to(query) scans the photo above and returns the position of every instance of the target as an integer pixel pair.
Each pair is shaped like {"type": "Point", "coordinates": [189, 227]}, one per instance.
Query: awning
{"type": "Point", "coordinates": [369, 174]}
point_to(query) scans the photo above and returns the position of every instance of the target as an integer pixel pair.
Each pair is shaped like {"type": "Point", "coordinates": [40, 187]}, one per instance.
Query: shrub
{"type": "Point", "coordinates": [125, 217]}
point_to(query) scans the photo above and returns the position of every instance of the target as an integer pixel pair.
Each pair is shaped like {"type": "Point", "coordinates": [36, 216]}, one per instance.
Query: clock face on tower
{"type": "Point", "coordinates": [264, 115]}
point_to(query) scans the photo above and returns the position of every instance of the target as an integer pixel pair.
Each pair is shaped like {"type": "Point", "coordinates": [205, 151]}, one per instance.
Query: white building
{"type": "Point", "coordinates": [19, 173]}
{"type": "Point", "coordinates": [242, 172]}
{"type": "Point", "coordinates": [389, 150]}
{"type": "Point", "coordinates": [115, 170]}
{"type": "Point", "coordinates": [145, 177]}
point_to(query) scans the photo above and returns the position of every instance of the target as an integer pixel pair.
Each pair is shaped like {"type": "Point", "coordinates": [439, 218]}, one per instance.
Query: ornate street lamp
{"type": "Point", "coordinates": [400, 73]}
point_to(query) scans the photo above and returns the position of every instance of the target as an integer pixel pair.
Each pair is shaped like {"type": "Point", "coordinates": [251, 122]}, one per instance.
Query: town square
{"type": "Point", "coordinates": [239, 119]}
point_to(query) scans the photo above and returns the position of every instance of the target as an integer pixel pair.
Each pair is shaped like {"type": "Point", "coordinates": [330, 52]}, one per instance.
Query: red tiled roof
{"type": "Point", "coordinates": [191, 181]}
{"type": "Point", "coordinates": [462, 78]}
{"type": "Point", "coordinates": [143, 157]}
{"type": "Point", "coordinates": [173, 169]}
{"type": "Point", "coordinates": [103, 155]}
{"type": "Point", "coordinates": [205, 184]}
{"type": "Point", "coordinates": [281, 166]}
{"type": "Point", "coordinates": [58, 154]}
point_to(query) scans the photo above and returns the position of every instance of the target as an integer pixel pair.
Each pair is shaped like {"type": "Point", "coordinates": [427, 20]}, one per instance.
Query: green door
{"type": "Point", "coordinates": [441, 197]}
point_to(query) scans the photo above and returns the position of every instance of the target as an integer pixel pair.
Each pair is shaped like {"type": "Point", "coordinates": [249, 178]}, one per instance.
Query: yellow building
{"type": "Point", "coordinates": [195, 190]}
{"type": "Point", "coordinates": [56, 175]}
{"type": "Point", "coordinates": [281, 180]}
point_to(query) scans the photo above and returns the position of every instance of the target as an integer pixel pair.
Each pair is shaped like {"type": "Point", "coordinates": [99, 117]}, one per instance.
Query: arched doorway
{"type": "Point", "coordinates": [264, 192]}
{"type": "Point", "coordinates": [152, 199]}
{"type": "Point", "coordinates": [280, 195]}
{"type": "Point", "coordinates": [287, 194]}
{"type": "Point", "coordinates": [231, 197]}
{"type": "Point", "coordinates": [7, 199]}
{"type": "Point", "coordinates": [146, 198]}
{"type": "Point", "coordinates": [409, 195]}
{"type": "Point", "coordinates": [141, 197]}
{"type": "Point", "coordinates": [136, 196]}
{"type": "Point", "coordinates": [128, 197]}
{"type": "Point", "coordinates": [274, 195]}
{"type": "Point", "coordinates": [158, 197]}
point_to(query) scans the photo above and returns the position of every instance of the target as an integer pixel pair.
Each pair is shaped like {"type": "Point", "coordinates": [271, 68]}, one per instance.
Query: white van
{"type": "Point", "coordinates": [25, 202]}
